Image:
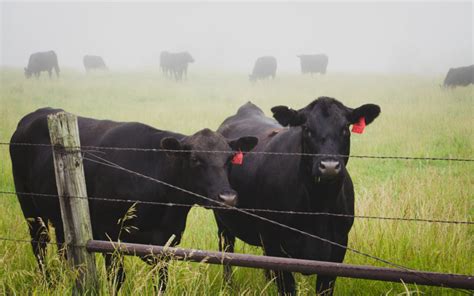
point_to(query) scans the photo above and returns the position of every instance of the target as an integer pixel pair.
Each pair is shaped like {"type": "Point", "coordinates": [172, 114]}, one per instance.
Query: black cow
{"type": "Point", "coordinates": [264, 67]}
{"type": "Point", "coordinates": [175, 64]}
{"type": "Point", "coordinates": [92, 62]}
{"type": "Point", "coordinates": [42, 61]}
{"type": "Point", "coordinates": [164, 63]}
{"type": "Point", "coordinates": [462, 76]}
{"type": "Point", "coordinates": [203, 173]}
{"type": "Point", "coordinates": [313, 63]}
{"type": "Point", "coordinates": [294, 183]}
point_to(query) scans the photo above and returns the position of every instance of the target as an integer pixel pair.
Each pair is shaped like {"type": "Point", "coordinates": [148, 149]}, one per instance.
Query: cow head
{"type": "Point", "coordinates": [325, 130]}
{"type": "Point", "coordinates": [27, 72]}
{"type": "Point", "coordinates": [207, 173]}
{"type": "Point", "coordinates": [448, 81]}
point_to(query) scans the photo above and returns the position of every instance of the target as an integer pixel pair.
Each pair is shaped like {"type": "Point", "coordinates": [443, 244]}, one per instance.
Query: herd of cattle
{"type": "Point", "coordinates": [175, 65]}
{"type": "Point", "coordinates": [301, 182]}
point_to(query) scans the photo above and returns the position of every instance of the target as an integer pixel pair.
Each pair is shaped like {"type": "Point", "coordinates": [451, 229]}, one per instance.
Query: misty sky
{"type": "Point", "coordinates": [424, 37]}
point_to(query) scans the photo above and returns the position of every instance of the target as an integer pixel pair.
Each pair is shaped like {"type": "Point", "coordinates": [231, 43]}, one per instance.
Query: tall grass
{"type": "Point", "coordinates": [418, 119]}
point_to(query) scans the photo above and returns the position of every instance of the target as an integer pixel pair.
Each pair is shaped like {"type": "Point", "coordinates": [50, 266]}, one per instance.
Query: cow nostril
{"type": "Point", "coordinates": [229, 199]}
{"type": "Point", "coordinates": [330, 168]}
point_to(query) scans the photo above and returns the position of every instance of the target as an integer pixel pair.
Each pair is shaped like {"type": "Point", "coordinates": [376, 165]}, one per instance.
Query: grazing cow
{"type": "Point", "coordinates": [313, 63]}
{"type": "Point", "coordinates": [175, 64]}
{"type": "Point", "coordinates": [92, 62]}
{"type": "Point", "coordinates": [264, 67]}
{"type": "Point", "coordinates": [462, 76]}
{"type": "Point", "coordinates": [165, 64]}
{"type": "Point", "coordinates": [203, 173]}
{"type": "Point", "coordinates": [42, 61]}
{"type": "Point", "coordinates": [319, 183]}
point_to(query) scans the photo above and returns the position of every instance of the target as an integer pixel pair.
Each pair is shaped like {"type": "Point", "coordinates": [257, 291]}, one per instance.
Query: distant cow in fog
{"type": "Point", "coordinates": [264, 67]}
{"type": "Point", "coordinates": [92, 62]}
{"type": "Point", "coordinates": [462, 76]}
{"type": "Point", "coordinates": [313, 63]}
{"type": "Point", "coordinates": [42, 61]}
{"type": "Point", "coordinates": [175, 64]}
{"type": "Point", "coordinates": [164, 63]}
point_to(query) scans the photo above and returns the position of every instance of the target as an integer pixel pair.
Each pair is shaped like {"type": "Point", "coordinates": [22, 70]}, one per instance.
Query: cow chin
{"type": "Point", "coordinates": [321, 180]}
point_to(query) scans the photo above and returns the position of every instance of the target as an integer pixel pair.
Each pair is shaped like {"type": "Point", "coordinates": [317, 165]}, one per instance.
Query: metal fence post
{"type": "Point", "coordinates": [70, 182]}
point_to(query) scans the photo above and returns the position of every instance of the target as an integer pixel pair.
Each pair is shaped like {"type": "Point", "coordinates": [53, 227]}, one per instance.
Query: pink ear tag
{"type": "Point", "coordinates": [238, 158]}
{"type": "Point", "coordinates": [358, 127]}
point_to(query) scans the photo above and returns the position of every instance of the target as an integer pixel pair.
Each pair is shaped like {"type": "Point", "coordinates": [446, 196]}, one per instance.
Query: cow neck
{"type": "Point", "coordinates": [321, 196]}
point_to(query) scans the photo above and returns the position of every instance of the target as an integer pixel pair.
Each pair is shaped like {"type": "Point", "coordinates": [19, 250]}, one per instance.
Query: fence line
{"type": "Point", "coordinates": [458, 282]}
{"type": "Point", "coordinates": [108, 163]}
{"type": "Point", "coordinates": [105, 162]}
{"type": "Point", "coordinates": [227, 208]}
{"type": "Point", "coordinates": [453, 281]}
{"type": "Point", "coordinates": [99, 148]}
{"type": "Point", "coordinates": [116, 166]}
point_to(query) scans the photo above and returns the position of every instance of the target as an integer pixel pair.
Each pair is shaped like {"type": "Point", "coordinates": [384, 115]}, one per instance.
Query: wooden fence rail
{"type": "Point", "coordinates": [289, 264]}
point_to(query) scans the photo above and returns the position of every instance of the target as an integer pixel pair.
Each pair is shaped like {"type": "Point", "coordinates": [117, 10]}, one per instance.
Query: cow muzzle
{"type": "Point", "coordinates": [328, 170]}
{"type": "Point", "coordinates": [228, 197]}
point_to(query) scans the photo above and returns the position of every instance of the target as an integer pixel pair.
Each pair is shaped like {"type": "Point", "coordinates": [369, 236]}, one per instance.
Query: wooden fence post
{"type": "Point", "coordinates": [70, 181]}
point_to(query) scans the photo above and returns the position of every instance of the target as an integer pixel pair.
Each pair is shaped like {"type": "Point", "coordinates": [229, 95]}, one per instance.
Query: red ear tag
{"type": "Point", "coordinates": [238, 158]}
{"type": "Point", "coordinates": [358, 127]}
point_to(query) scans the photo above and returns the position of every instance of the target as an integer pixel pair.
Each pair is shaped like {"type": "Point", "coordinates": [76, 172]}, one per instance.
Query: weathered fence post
{"type": "Point", "coordinates": [70, 181]}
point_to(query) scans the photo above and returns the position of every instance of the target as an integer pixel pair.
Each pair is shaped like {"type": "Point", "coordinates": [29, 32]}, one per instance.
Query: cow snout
{"type": "Point", "coordinates": [329, 168]}
{"type": "Point", "coordinates": [229, 198]}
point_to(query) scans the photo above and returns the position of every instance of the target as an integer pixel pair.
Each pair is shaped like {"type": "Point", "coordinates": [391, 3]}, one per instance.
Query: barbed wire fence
{"type": "Point", "coordinates": [86, 150]}
{"type": "Point", "coordinates": [226, 208]}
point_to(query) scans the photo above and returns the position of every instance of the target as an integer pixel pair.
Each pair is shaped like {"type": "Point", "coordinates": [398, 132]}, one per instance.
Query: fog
{"type": "Point", "coordinates": [424, 37]}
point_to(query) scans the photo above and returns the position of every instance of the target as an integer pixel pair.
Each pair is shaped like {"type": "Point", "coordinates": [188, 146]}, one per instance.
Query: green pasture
{"type": "Point", "coordinates": [418, 119]}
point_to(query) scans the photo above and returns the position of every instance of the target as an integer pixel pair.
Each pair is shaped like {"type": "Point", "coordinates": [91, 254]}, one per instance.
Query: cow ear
{"type": "Point", "coordinates": [287, 116]}
{"type": "Point", "coordinates": [243, 144]}
{"type": "Point", "coordinates": [171, 144]}
{"type": "Point", "coordinates": [368, 111]}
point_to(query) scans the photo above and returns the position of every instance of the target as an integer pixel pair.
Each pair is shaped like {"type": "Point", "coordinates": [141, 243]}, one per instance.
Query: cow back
{"type": "Point", "coordinates": [33, 171]}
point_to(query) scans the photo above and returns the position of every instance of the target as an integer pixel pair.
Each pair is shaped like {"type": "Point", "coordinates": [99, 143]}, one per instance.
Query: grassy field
{"type": "Point", "coordinates": [418, 119]}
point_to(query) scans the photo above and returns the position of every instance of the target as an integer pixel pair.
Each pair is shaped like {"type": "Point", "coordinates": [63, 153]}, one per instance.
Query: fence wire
{"type": "Point", "coordinates": [226, 208]}
{"type": "Point", "coordinates": [108, 163]}
{"type": "Point", "coordinates": [105, 162]}
{"type": "Point", "coordinates": [99, 148]}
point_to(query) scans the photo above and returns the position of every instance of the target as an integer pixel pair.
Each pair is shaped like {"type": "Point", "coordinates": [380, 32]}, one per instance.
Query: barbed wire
{"type": "Point", "coordinates": [376, 258]}
{"type": "Point", "coordinates": [116, 166]}
{"type": "Point", "coordinates": [454, 159]}
{"type": "Point", "coordinates": [171, 204]}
